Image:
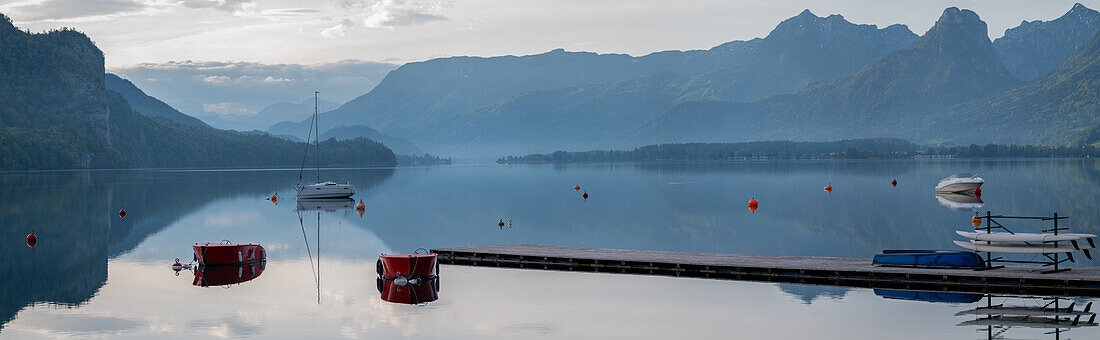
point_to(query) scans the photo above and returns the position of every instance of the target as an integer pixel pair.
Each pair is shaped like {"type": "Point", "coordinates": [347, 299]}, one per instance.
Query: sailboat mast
{"type": "Point", "coordinates": [317, 124]}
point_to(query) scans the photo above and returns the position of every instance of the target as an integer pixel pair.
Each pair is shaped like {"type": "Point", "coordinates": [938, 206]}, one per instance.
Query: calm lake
{"type": "Point", "coordinates": [93, 274]}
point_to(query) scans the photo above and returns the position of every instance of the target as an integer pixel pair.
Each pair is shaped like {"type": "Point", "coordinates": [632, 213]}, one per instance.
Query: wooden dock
{"type": "Point", "coordinates": [834, 271]}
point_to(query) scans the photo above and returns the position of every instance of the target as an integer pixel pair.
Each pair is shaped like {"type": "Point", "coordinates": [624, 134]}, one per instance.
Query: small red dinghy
{"type": "Point", "coordinates": [408, 278]}
{"type": "Point", "coordinates": [225, 253]}
{"type": "Point", "coordinates": [227, 275]}
{"type": "Point", "coordinates": [413, 295]}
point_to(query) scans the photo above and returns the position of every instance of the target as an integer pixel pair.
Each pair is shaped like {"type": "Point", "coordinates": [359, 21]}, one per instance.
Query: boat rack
{"type": "Point", "coordinates": [1053, 260]}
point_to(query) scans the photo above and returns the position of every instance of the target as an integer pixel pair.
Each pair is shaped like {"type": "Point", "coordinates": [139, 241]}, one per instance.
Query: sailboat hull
{"type": "Point", "coordinates": [326, 191]}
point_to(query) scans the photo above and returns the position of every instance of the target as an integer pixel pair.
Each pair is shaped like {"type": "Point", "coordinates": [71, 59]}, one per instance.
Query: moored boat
{"type": "Point", "coordinates": [929, 259]}
{"type": "Point", "coordinates": [961, 182]}
{"type": "Point", "coordinates": [321, 189]}
{"type": "Point", "coordinates": [227, 275]}
{"type": "Point", "coordinates": [224, 253]}
{"type": "Point", "coordinates": [408, 278]}
{"type": "Point", "coordinates": [408, 294]}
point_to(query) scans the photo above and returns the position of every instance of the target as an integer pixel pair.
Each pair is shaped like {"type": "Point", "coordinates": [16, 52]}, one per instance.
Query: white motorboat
{"type": "Point", "coordinates": [963, 182]}
{"type": "Point", "coordinates": [321, 189]}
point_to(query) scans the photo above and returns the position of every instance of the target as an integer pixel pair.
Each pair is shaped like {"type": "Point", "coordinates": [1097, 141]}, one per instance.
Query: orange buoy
{"type": "Point", "coordinates": [360, 205]}
{"type": "Point", "coordinates": [32, 240]}
{"type": "Point", "coordinates": [274, 198]}
{"type": "Point", "coordinates": [976, 221]}
{"type": "Point", "coordinates": [501, 223]}
{"type": "Point", "coordinates": [585, 196]}
{"type": "Point", "coordinates": [576, 188]}
{"type": "Point", "coordinates": [829, 188]}
{"type": "Point", "coordinates": [894, 182]}
{"type": "Point", "coordinates": [122, 213]}
{"type": "Point", "coordinates": [509, 222]}
{"type": "Point", "coordinates": [753, 205]}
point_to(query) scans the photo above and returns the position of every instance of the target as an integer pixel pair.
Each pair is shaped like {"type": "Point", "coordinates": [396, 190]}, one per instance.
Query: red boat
{"type": "Point", "coordinates": [408, 278]}
{"type": "Point", "coordinates": [422, 293]}
{"type": "Point", "coordinates": [227, 275]}
{"type": "Point", "coordinates": [208, 254]}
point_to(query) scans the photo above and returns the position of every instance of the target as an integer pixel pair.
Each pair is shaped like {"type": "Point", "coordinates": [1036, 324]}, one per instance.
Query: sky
{"type": "Point", "coordinates": [132, 32]}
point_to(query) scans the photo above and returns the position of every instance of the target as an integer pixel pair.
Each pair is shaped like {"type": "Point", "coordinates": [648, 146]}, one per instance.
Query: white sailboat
{"type": "Point", "coordinates": [321, 189]}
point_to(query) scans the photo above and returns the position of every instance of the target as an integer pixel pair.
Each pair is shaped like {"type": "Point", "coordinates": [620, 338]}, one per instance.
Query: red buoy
{"type": "Point", "coordinates": [501, 223]}
{"type": "Point", "coordinates": [753, 205]}
{"type": "Point", "coordinates": [122, 213]}
{"type": "Point", "coordinates": [274, 198]}
{"type": "Point", "coordinates": [978, 192]}
{"type": "Point", "coordinates": [585, 196]}
{"type": "Point", "coordinates": [894, 183]}
{"type": "Point", "coordinates": [32, 240]}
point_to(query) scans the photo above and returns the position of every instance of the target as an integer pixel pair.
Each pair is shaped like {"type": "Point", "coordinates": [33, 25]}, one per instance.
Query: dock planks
{"type": "Point", "coordinates": [850, 272]}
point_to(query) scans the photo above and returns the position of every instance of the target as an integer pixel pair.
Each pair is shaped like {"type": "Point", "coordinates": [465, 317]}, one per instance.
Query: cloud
{"type": "Point", "coordinates": [395, 13]}
{"type": "Point", "coordinates": [228, 109]}
{"type": "Point", "coordinates": [71, 9]}
{"type": "Point", "coordinates": [216, 80]}
{"type": "Point", "coordinates": [231, 6]}
{"type": "Point", "coordinates": [273, 80]}
{"type": "Point", "coordinates": [341, 29]}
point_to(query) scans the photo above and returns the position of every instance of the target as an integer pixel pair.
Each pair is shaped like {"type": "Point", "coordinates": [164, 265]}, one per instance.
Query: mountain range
{"type": "Point", "coordinates": [811, 78]}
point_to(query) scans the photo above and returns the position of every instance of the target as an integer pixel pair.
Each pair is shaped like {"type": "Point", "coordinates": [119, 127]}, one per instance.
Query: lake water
{"type": "Point", "coordinates": [94, 274]}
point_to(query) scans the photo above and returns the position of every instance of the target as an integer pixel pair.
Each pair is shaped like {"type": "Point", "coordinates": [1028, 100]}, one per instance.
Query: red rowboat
{"type": "Point", "coordinates": [406, 264]}
{"type": "Point", "coordinates": [224, 253]}
{"type": "Point", "coordinates": [423, 293]}
{"type": "Point", "coordinates": [227, 275]}
{"type": "Point", "coordinates": [408, 278]}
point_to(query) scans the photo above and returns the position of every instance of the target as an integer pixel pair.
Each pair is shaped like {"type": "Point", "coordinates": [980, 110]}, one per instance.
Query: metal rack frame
{"type": "Point", "coordinates": [1053, 259]}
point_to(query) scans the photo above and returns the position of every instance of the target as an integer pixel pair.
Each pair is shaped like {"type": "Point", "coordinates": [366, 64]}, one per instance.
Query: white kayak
{"type": "Point", "coordinates": [1022, 237]}
{"type": "Point", "coordinates": [1015, 248]}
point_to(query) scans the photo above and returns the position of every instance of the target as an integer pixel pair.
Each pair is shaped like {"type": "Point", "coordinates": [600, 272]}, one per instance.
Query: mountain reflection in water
{"type": "Point", "coordinates": [81, 240]}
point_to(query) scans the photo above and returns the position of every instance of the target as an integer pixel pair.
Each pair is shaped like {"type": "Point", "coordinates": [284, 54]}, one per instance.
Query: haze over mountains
{"type": "Point", "coordinates": [232, 95]}
{"type": "Point", "coordinates": [811, 78]}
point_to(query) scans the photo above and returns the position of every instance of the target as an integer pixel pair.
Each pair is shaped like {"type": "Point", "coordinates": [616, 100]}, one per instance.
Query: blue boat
{"type": "Point", "coordinates": [929, 259]}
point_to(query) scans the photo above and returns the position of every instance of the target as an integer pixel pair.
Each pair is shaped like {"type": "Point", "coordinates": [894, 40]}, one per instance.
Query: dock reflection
{"type": "Point", "coordinates": [996, 316]}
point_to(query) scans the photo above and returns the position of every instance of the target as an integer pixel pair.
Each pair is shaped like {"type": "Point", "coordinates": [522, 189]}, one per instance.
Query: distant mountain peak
{"type": "Point", "coordinates": [1037, 47]}
{"type": "Point", "coordinates": [960, 30]}
{"type": "Point", "coordinates": [956, 16]}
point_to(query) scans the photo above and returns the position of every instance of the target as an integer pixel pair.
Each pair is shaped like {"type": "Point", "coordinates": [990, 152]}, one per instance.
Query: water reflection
{"type": "Point", "coordinates": [74, 215]}
{"type": "Point", "coordinates": [228, 275]}
{"type": "Point", "coordinates": [959, 202]}
{"type": "Point", "coordinates": [927, 296]}
{"type": "Point", "coordinates": [1047, 313]}
{"type": "Point", "coordinates": [324, 205]}
{"type": "Point", "coordinates": [997, 315]}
